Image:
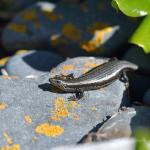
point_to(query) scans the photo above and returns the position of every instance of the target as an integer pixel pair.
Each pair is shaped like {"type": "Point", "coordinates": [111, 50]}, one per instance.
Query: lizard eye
{"type": "Point", "coordinates": [58, 82]}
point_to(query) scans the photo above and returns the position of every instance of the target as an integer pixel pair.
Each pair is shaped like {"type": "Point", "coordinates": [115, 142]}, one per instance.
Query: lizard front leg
{"type": "Point", "coordinates": [79, 95]}
{"type": "Point", "coordinates": [61, 76]}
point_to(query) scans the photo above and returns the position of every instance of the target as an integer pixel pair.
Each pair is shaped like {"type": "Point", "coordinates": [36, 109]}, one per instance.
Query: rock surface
{"type": "Point", "coordinates": [33, 63]}
{"type": "Point", "coordinates": [122, 124]}
{"type": "Point", "coordinates": [34, 116]}
{"type": "Point", "coordinates": [118, 126]}
{"type": "Point", "coordinates": [67, 29]}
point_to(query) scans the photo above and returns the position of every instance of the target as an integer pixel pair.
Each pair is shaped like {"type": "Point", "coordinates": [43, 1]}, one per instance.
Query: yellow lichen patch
{"type": "Point", "coordinates": [49, 130]}
{"type": "Point", "coordinates": [68, 67]}
{"type": "Point", "coordinates": [90, 65]}
{"type": "Point", "coordinates": [22, 51]}
{"type": "Point", "coordinates": [12, 147]}
{"type": "Point", "coordinates": [96, 26]}
{"type": "Point", "coordinates": [52, 16]}
{"type": "Point", "coordinates": [60, 109]}
{"type": "Point", "coordinates": [15, 77]}
{"type": "Point", "coordinates": [3, 106]}
{"type": "Point", "coordinates": [6, 77]}
{"type": "Point", "coordinates": [19, 28]}
{"type": "Point", "coordinates": [3, 61]}
{"type": "Point", "coordinates": [94, 43]}
{"type": "Point", "coordinates": [28, 119]}
{"type": "Point", "coordinates": [55, 39]}
{"type": "Point", "coordinates": [8, 139]}
{"type": "Point", "coordinates": [93, 108]}
{"type": "Point", "coordinates": [71, 32]}
{"type": "Point", "coordinates": [29, 15]}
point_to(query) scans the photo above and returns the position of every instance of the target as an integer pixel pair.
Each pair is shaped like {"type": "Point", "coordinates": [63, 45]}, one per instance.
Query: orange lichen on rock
{"type": "Point", "coordinates": [68, 67]}
{"type": "Point", "coordinates": [12, 147]}
{"type": "Point", "coordinates": [8, 139]}
{"type": "Point", "coordinates": [71, 32]}
{"type": "Point", "coordinates": [3, 106]}
{"type": "Point", "coordinates": [97, 26]}
{"type": "Point", "coordinates": [5, 77]}
{"type": "Point", "coordinates": [19, 28]}
{"type": "Point", "coordinates": [96, 41]}
{"type": "Point", "coordinates": [21, 51]}
{"type": "Point", "coordinates": [28, 119]}
{"type": "Point", "coordinates": [52, 16]}
{"type": "Point", "coordinates": [14, 77]}
{"type": "Point", "coordinates": [90, 65]}
{"type": "Point", "coordinates": [49, 130]}
{"type": "Point", "coordinates": [29, 15]}
{"type": "Point", "coordinates": [3, 61]}
{"type": "Point", "coordinates": [93, 108]}
{"type": "Point", "coordinates": [60, 109]}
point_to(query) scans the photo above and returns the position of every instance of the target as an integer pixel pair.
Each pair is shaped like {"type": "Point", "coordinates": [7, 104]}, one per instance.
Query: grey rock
{"type": "Point", "coordinates": [33, 63]}
{"type": "Point", "coordinates": [121, 125]}
{"type": "Point", "coordinates": [139, 82]}
{"type": "Point", "coordinates": [146, 98]}
{"type": "Point", "coordinates": [36, 98]}
{"type": "Point", "coordinates": [118, 126]}
{"type": "Point", "coordinates": [72, 30]}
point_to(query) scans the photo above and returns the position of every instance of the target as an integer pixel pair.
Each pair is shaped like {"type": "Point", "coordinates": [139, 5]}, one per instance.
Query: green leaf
{"type": "Point", "coordinates": [141, 36]}
{"type": "Point", "coordinates": [142, 139]}
{"type": "Point", "coordinates": [133, 8]}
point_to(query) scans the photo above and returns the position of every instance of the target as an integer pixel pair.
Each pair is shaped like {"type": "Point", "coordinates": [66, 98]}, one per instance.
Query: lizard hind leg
{"type": "Point", "coordinates": [70, 76]}
{"type": "Point", "coordinates": [124, 79]}
{"type": "Point", "coordinates": [79, 95]}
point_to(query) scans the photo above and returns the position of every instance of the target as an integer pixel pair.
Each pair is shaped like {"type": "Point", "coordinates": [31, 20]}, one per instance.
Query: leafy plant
{"type": "Point", "coordinates": [137, 8]}
{"type": "Point", "coordinates": [142, 139]}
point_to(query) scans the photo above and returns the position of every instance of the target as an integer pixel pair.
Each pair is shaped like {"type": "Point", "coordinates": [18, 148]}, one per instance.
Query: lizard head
{"type": "Point", "coordinates": [57, 83]}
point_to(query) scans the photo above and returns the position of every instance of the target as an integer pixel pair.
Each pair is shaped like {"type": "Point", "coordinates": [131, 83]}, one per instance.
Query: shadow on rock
{"type": "Point", "coordinates": [88, 138]}
{"type": "Point", "coordinates": [50, 88]}
{"type": "Point", "coordinates": [42, 61]}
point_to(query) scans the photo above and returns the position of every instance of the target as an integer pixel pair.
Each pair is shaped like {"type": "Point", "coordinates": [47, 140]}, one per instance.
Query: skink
{"type": "Point", "coordinates": [96, 78]}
